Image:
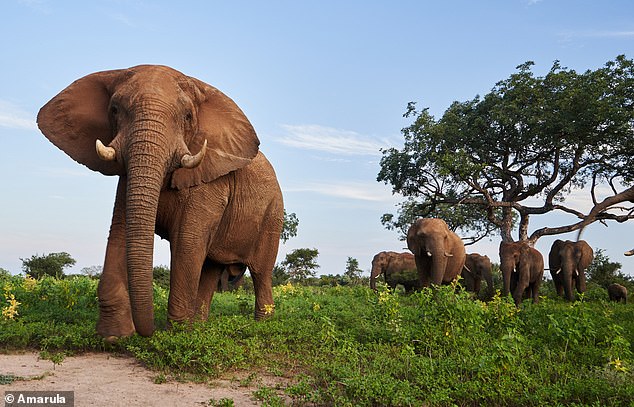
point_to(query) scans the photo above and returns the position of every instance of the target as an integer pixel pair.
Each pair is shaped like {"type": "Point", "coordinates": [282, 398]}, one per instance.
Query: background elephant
{"type": "Point", "coordinates": [231, 279]}
{"type": "Point", "coordinates": [617, 292]}
{"type": "Point", "coordinates": [522, 268]}
{"type": "Point", "coordinates": [221, 206]}
{"type": "Point", "coordinates": [397, 268]}
{"type": "Point", "coordinates": [567, 262]}
{"type": "Point", "coordinates": [439, 252]}
{"type": "Point", "coordinates": [476, 268]}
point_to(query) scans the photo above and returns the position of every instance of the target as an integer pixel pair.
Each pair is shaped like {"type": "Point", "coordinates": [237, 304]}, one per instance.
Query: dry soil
{"type": "Point", "coordinates": [103, 379]}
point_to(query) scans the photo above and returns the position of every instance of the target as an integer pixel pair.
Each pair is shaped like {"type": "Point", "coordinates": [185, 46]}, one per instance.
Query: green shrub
{"type": "Point", "coordinates": [353, 346]}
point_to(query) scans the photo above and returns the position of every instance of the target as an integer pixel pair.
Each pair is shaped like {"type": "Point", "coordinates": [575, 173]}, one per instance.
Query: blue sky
{"type": "Point", "coordinates": [325, 84]}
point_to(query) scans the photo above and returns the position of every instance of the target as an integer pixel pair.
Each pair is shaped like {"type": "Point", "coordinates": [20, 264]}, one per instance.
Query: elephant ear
{"type": "Point", "coordinates": [231, 139]}
{"type": "Point", "coordinates": [78, 116]}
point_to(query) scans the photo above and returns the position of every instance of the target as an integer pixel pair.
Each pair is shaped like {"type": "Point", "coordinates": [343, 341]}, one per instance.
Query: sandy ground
{"type": "Point", "coordinates": [103, 379]}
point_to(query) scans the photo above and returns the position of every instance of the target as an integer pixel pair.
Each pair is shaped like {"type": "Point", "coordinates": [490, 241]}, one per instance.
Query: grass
{"type": "Point", "coordinates": [350, 346]}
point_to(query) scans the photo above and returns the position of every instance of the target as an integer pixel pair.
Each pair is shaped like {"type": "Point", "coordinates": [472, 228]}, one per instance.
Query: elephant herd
{"type": "Point", "coordinates": [438, 257]}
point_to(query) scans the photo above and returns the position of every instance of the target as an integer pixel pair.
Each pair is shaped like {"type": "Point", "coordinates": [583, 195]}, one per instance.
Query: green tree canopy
{"type": "Point", "coordinates": [301, 263]}
{"type": "Point", "coordinates": [520, 151]}
{"type": "Point", "coordinates": [604, 272]}
{"type": "Point", "coordinates": [52, 264]}
{"type": "Point", "coordinates": [291, 222]}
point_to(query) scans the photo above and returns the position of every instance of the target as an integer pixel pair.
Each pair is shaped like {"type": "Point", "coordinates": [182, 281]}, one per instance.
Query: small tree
{"type": "Point", "coordinates": [52, 264]}
{"type": "Point", "coordinates": [92, 271]}
{"type": "Point", "coordinates": [4, 274]}
{"type": "Point", "coordinates": [604, 272]}
{"type": "Point", "coordinates": [353, 272]}
{"type": "Point", "coordinates": [300, 263]}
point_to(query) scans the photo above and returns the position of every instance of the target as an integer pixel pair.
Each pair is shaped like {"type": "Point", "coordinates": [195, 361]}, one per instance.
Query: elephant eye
{"type": "Point", "coordinates": [188, 116]}
{"type": "Point", "coordinates": [114, 110]}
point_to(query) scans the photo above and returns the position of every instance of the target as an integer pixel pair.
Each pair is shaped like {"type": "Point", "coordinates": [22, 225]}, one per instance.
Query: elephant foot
{"type": "Point", "coordinates": [115, 325]}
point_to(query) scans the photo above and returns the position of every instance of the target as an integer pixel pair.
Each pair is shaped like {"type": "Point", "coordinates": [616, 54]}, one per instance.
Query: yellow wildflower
{"type": "Point", "coordinates": [269, 309]}
{"type": "Point", "coordinates": [29, 283]}
{"type": "Point", "coordinates": [11, 310]}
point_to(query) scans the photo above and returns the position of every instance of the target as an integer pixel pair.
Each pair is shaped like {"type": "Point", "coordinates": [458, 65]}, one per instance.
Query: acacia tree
{"type": "Point", "coordinates": [491, 163]}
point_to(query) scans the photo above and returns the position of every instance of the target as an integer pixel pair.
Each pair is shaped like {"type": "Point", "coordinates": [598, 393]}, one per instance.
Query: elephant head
{"type": "Point", "coordinates": [396, 267]}
{"type": "Point", "coordinates": [379, 265]}
{"type": "Point", "coordinates": [155, 127]}
{"type": "Point", "coordinates": [567, 261]}
{"type": "Point", "coordinates": [439, 252]}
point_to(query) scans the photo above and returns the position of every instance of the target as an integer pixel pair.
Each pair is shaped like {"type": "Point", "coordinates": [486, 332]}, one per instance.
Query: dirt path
{"type": "Point", "coordinates": [102, 379]}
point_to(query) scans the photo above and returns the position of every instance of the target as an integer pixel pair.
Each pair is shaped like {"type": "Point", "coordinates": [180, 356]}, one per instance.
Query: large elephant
{"type": "Point", "coordinates": [221, 206]}
{"type": "Point", "coordinates": [397, 268]}
{"type": "Point", "coordinates": [567, 262]}
{"type": "Point", "coordinates": [522, 268]}
{"type": "Point", "coordinates": [439, 252]}
{"type": "Point", "coordinates": [617, 292]}
{"type": "Point", "coordinates": [476, 268]}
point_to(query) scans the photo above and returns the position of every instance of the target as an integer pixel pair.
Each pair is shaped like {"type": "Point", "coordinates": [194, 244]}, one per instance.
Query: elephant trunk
{"type": "Point", "coordinates": [145, 178]}
{"type": "Point", "coordinates": [376, 271]}
{"type": "Point", "coordinates": [438, 264]}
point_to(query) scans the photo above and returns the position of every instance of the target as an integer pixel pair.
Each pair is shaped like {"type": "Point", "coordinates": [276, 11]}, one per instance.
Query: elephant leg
{"type": "Point", "coordinates": [209, 278]}
{"type": "Point", "coordinates": [476, 285]}
{"type": "Point", "coordinates": [186, 269]}
{"type": "Point", "coordinates": [115, 315]}
{"type": "Point", "coordinates": [535, 291]}
{"type": "Point", "coordinates": [262, 274]}
{"type": "Point", "coordinates": [520, 288]}
{"type": "Point", "coordinates": [423, 265]}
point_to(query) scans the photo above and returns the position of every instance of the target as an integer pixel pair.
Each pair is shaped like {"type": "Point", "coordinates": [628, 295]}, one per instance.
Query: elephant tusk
{"type": "Point", "coordinates": [448, 254]}
{"type": "Point", "coordinates": [558, 271]}
{"type": "Point", "coordinates": [105, 153]}
{"type": "Point", "coordinates": [189, 161]}
{"type": "Point", "coordinates": [428, 254]}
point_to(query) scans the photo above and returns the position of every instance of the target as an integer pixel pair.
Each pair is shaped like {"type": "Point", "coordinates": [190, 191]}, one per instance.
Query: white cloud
{"type": "Point", "coordinates": [571, 35]}
{"type": "Point", "coordinates": [14, 118]}
{"type": "Point", "coordinates": [331, 140]}
{"type": "Point", "coordinates": [374, 192]}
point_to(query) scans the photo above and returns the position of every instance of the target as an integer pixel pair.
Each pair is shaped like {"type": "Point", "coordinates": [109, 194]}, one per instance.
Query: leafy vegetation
{"type": "Point", "coordinates": [347, 345]}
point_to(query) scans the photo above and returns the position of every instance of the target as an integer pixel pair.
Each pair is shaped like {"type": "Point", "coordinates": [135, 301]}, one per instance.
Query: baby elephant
{"type": "Point", "coordinates": [617, 292]}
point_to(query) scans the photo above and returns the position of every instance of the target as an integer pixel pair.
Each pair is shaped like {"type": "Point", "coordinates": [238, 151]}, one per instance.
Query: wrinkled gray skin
{"type": "Point", "coordinates": [190, 170]}
{"type": "Point", "coordinates": [477, 268]}
{"type": "Point", "coordinates": [522, 268]}
{"type": "Point", "coordinates": [617, 292]}
{"type": "Point", "coordinates": [397, 268]}
{"type": "Point", "coordinates": [439, 252]}
{"type": "Point", "coordinates": [567, 262]}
